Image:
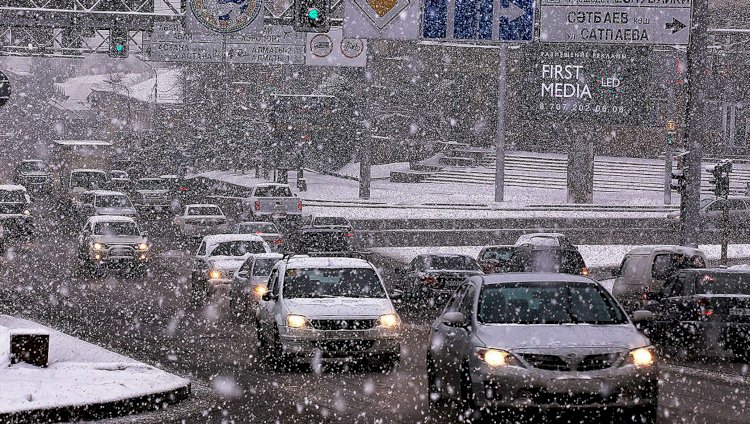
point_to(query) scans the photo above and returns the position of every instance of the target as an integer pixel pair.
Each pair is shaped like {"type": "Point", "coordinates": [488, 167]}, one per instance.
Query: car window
{"type": "Point", "coordinates": [454, 302]}
{"type": "Point", "coordinates": [116, 228]}
{"type": "Point", "coordinates": [202, 249]}
{"type": "Point", "coordinates": [497, 254]}
{"type": "Point", "coordinates": [723, 283]}
{"type": "Point", "coordinates": [273, 191]}
{"type": "Point", "coordinates": [237, 248]}
{"type": "Point", "coordinates": [273, 282]}
{"type": "Point", "coordinates": [263, 267]}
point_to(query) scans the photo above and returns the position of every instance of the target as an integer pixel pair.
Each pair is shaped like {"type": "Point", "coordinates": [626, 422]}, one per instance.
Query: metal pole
{"type": "Point", "coordinates": [365, 138]}
{"type": "Point", "coordinates": [697, 57]}
{"type": "Point", "coordinates": [500, 142]}
{"type": "Point", "coordinates": [724, 232]}
{"type": "Point", "coordinates": [669, 153]}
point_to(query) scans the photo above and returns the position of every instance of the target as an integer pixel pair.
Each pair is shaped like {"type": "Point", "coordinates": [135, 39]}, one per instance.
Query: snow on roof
{"type": "Point", "coordinates": [267, 255]}
{"type": "Point", "coordinates": [531, 277]}
{"type": "Point", "coordinates": [647, 250]}
{"type": "Point", "coordinates": [12, 187]}
{"type": "Point", "coordinates": [222, 238]}
{"type": "Point", "coordinates": [110, 218]}
{"type": "Point", "coordinates": [202, 205]}
{"type": "Point", "coordinates": [82, 143]}
{"type": "Point", "coordinates": [168, 88]}
{"type": "Point", "coordinates": [327, 262]}
{"type": "Point", "coordinates": [105, 193]}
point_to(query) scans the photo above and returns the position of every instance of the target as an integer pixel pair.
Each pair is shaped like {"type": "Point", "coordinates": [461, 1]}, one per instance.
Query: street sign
{"type": "Point", "coordinates": [225, 17]}
{"type": "Point", "coordinates": [4, 89]}
{"type": "Point", "coordinates": [332, 49]}
{"type": "Point", "coordinates": [478, 21]}
{"type": "Point", "coordinates": [382, 19]}
{"type": "Point", "coordinates": [277, 8]}
{"type": "Point", "coordinates": [661, 22]}
{"type": "Point", "coordinates": [276, 44]}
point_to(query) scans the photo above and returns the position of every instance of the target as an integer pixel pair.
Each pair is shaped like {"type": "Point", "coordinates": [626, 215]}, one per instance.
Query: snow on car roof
{"type": "Point", "coordinates": [201, 205]}
{"type": "Point", "coordinates": [532, 277]}
{"type": "Point", "coordinates": [444, 255]}
{"type": "Point", "coordinates": [267, 255]}
{"type": "Point", "coordinates": [327, 262]}
{"type": "Point", "coordinates": [110, 218]}
{"type": "Point", "coordinates": [105, 193]}
{"type": "Point", "coordinates": [221, 238]}
{"type": "Point", "coordinates": [82, 143]}
{"type": "Point", "coordinates": [647, 250]}
{"type": "Point", "coordinates": [98, 171]}
{"type": "Point", "coordinates": [12, 187]}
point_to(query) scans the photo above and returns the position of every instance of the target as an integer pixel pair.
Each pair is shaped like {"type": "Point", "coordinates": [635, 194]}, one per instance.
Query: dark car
{"type": "Point", "coordinates": [432, 278]}
{"type": "Point", "coordinates": [33, 174]}
{"type": "Point", "coordinates": [540, 258]}
{"type": "Point", "coordinates": [495, 259]}
{"type": "Point", "coordinates": [16, 211]}
{"type": "Point", "coordinates": [702, 309]}
{"type": "Point", "coordinates": [323, 234]}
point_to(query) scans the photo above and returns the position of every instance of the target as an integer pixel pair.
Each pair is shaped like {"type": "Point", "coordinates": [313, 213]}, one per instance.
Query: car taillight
{"type": "Point", "coordinates": [348, 234]}
{"type": "Point", "coordinates": [299, 205]}
{"type": "Point", "coordinates": [585, 272]}
{"type": "Point", "coordinates": [257, 205]}
{"type": "Point", "coordinates": [704, 308]}
{"type": "Point", "coordinates": [278, 241]}
{"type": "Point", "coordinates": [183, 189]}
{"type": "Point", "coordinates": [428, 279]}
{"type": "Point", "coordinates": [258, 233]}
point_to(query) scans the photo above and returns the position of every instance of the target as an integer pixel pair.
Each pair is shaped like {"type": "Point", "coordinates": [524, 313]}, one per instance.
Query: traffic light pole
{"type": "Point", "coordinates": [500, 142]}
{"type": "Point", "coordinates": [365, 136]}
{"type": "Point", "coordinates": [724, 233]}
{"type": "Point", "coordinates": [694, 129]}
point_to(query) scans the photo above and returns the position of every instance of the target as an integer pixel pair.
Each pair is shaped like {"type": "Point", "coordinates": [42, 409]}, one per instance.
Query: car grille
{"type": "Point", "coordinates": [558, 363]}
{"type": "Point", "coordinates": [343, 324]}
{"type": "Point", "coordinates": [546, 398]}
{"type": "Point", "coordinates": [122, 252]}
{"type": "Point", "coordinates": [36, 180]}
{"type": "Point", "coordinates": [345, 345]}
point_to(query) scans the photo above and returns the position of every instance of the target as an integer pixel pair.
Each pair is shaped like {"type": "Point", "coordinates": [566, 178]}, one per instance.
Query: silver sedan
{"type": "Point", "coordinates": [540, 341]}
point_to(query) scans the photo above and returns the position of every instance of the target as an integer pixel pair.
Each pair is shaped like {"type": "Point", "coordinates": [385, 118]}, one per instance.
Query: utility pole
{"type": "Point", "coordinates": [669, 153]}
{"type": "Point", "coordinates": [697, 57]}
{"type": "Point", "coordinates": [500, 142]}
{"type": "Point", "coordinates": [364, 136]}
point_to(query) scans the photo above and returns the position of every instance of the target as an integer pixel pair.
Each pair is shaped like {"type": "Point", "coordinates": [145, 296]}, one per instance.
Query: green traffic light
{"type": "Point", "coordinates": [119, 47]}
{"type": "Point", "coordinates": [313, 14]}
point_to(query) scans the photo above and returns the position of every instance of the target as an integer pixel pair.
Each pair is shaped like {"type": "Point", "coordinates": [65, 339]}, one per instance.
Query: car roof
{"type": "Point", "coordinates": [202, 205]}
{"type": "Point", "coordinates": [110, 218]}
{"type": "Point", "coordinates": [531, 277]}
{"type": "Point", "coordinates": [12, 187]}
{"type": "Point", "coordinates": [327, 262]}
{"type": "Point", "coordinates": [98, 171]}
{"type": "Point", "coordinates": [267, 256]}
{"type": "Point", "coordinates": [221, 238]}
{"type": "Point", "coordinates": [647, 250]}
{"type": "Point", "coordinates": [105, 193]}
{"type": "Point", "coordinates": [550, 235]}
{"type": "Point", "coordinates": [443, 255]}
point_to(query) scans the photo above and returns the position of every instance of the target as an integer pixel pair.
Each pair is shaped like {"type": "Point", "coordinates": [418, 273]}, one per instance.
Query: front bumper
{"type": "Point", "coordinates": [340, 344]}
{"type": "Point", "coordinates": [514, 387]}
{"type": "Point", "coordinates": [119, 255]}
{"type": "Point", "coordinates": [202, 230]}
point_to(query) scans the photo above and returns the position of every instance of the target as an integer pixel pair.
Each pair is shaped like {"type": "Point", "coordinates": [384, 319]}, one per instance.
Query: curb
{"type": "Point", "coordinates": [716, 376]}
{"type": "Point", "coordinates": [139, 404]}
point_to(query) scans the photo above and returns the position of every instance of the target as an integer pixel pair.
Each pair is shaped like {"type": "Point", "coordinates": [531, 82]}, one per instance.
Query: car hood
{"type": "Point", "coordinates": [152, 191]}
{"type": "Point", "coordinates": [226, 263]}
{"type": "Point", "coordinates": [119, 239]}
{"type": "Point", "coordinates": [343, 307]}
{"type": "Point", "coordinates": [35, 174]}
{"type": "Point", "coordinates": [116, 211]}
{"type": "Point", "coordinates": [553, 336]}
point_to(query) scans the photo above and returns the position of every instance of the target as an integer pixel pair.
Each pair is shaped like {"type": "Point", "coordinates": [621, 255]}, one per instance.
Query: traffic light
{"type": "Point", "coordinates": [118, 43]}
{"type": "Point", "coordinates": [679, 183]}
{"type": "Point", "coordinates": [720, 177]}
{"type": "Point", "coordinates": [312, 15]}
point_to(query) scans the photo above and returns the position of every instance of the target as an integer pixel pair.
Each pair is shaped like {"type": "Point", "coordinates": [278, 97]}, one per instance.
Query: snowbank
{"type": "Point", "coordinates": [79, 374]}
{"type": "Point", "coordinates": [376, 171]}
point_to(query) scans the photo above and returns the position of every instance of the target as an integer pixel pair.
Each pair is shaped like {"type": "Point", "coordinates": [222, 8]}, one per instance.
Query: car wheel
{"type": "Point", "coordinates": [472, 413]}
{"type": "Point", "coordinates": [641, 414]}
{"type": "Point", "coordinates": [434, 396]}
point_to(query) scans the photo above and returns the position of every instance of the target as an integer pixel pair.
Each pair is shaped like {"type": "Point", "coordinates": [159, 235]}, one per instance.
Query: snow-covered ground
{"type": "Point", "coordinates": [595, 256]}
{"type": "Point", "coordinates": [329, 194]}
{"type": "Point", "coordinates": [79, 373]}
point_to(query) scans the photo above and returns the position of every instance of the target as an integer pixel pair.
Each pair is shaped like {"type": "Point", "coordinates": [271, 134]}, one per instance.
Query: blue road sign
{"type": "Point", "coordinates": [478, 20]}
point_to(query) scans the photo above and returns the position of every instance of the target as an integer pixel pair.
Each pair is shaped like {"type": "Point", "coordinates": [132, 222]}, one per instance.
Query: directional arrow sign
{"type": "Point", "coordinates": [662, 22]}
{"type": "Point", "coordinates": [478, 21]}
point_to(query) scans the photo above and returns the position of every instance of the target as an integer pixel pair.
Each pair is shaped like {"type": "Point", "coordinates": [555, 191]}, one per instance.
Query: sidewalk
{"type": "Point", "coordinates": [82, 381]}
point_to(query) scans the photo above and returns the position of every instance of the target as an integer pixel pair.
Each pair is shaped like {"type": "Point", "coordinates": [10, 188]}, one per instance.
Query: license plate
{"type": "Point", "coordinates": [743, 312]}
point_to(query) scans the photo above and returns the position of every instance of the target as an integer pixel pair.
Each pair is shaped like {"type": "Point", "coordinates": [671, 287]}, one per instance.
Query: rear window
{"type": "Point", "coordinates": [501, 254]}
{"type": "Point", "coordinates": [723, 284]}
{"type": "Point", "coordinates": [330, 220]}
{"type": "Point", "coordinates": [452, 263]}
{"type": "Point", "coordinates": [204, 211]}
{"type": "Point", "coordinates": [257, 227]}
{"type": "Point", "coordinates": [273, 191]}
{"type": "Point", "coordinates": [563, 261]}
{"type": "Point", "coordinates": [238, 248]}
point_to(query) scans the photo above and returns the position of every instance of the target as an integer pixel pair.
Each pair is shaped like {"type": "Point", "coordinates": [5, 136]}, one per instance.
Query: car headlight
{"type": "Point", "coordinates": [99, 246]}
{"type": "Point", "coordinates": [497, 358]}
{"type": "Point", "coordinates": [388, 321]}
{"type": "Point", "coordinates": [215, 274]}
{"type": "Point", "coordinates": [142, 246]}
{"type": "Point", "coordinates": [260, 291]}
{"type": "Point", "coordinates": [26, 212]}
{"type": "Point", "coordinates": [643, 357]}
{"type": "Point", "coordinates": [296, 321]}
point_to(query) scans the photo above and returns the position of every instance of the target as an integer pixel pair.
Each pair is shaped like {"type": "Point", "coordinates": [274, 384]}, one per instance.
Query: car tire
{"type": "Point", "coordinates": [435, 398]}
{"type": "Point", "coordinates": [472, 413]}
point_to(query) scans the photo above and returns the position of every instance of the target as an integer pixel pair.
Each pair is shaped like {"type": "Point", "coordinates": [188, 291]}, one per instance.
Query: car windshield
{"type": "Point", "coordinates": [257, 227]}
{"type": "Point", "coordinates": [152, 185]}
{"type": "Point", "coordinates": [332, 282]}
{"type": "Point", "coordinates": [500, 254]}
{"type": "Point", "coordinates": [735, 283]}
{"type": "Point", "coordinates": [116, 228]}
{"type": "Point", "coordinates": [12, 196]}
{"type": "Point", "coordinates": [114, 201]}
{"type": "Point", "coordinates": [204, 211]}
{"type": "Point", "coordinates": [88, 180]}
{"type": "Point", "coordinates": [118, 175]}
{"type": "Point", "coordinates": [452, 263]}
{"type": "Point", "coordinates": [263, 267]}
{"type": "Point", "coordinates": [237, 248]}
{"type": "Point", "coordinates": [330, 220]}
{"type": "Point", "coordinates": [33, 167]}
{"type": "Point", "coordinates": [548, 303]}
{"type": "Point", "coordinates": [273, 191]}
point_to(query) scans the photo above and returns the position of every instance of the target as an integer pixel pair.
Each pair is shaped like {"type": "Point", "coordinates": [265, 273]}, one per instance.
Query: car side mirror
{"type": "Point", "coordinates": [653, 296]}
{"type": "Point", "coordinates": [397, 294]}
{"type": "Point", "coordinates": [268, 297]}
{"type": "Point", "coordinates": [615, 272]}
{"type": "Point", "coordinates": [454, 319]}
{"type": "Point", "coordinates": [642, 317]}
{"type": "Point", "coordinates": [242, 274]}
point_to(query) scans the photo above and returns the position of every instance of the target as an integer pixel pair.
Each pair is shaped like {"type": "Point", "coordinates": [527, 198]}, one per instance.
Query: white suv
{"type": "Point", "coordinates": [320, 308]}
